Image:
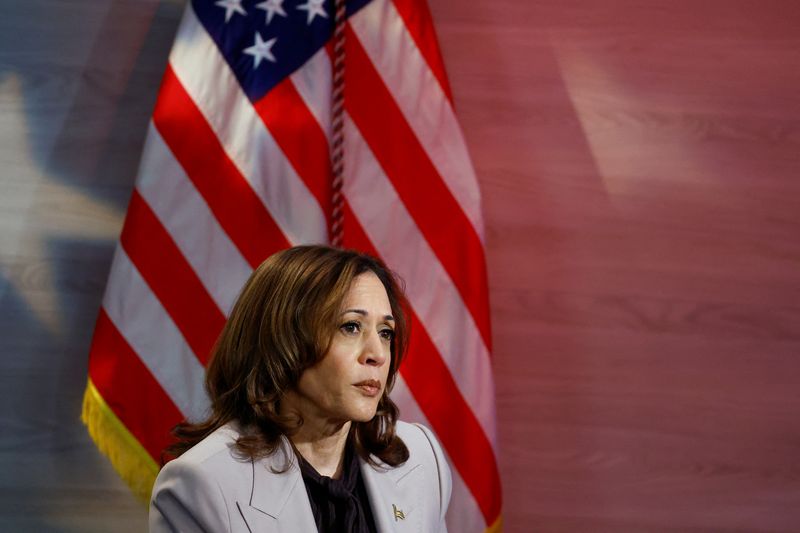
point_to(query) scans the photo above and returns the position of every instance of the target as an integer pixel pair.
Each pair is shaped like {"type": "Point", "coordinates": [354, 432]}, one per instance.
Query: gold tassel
{"type": "Point", "coordinates": [497, 527]}
{"type": "Point", "coordinates": [131, 461]}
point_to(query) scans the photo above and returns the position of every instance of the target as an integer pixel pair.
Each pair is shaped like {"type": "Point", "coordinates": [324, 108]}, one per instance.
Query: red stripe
{"type": "Point", "coordinates": [171, 278]}
{"type": "Point", "coordinates": [404, 160]}
{"type": "Point", "coordinates": [232, 200]}
{"type": "Point", "coordinates": [418, 21]}
{"type": "Point", "coordinates": [130, 390]}
{"type": "Point", "coordinates": [438, 396]}
{"type": "Point", "coordinates": [300, 137]}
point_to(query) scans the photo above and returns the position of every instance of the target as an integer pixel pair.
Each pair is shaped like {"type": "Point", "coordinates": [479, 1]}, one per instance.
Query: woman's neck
{"type": "Point", "coordinates": [322, 445]}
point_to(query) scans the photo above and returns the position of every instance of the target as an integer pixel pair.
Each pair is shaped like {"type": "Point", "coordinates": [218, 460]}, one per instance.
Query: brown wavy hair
{"type": "Point", "coordinates": [283, 323]}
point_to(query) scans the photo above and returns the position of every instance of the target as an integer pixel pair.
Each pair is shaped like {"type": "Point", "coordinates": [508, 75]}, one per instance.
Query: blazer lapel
{"type": "Point", "coordinates": [394, 496]}
{"type": "Point", "coordinates": [278, 501]}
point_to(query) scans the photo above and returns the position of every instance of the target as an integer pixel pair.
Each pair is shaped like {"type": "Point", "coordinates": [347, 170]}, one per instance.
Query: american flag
{"type": "Point", "coordinates": [237, 166]}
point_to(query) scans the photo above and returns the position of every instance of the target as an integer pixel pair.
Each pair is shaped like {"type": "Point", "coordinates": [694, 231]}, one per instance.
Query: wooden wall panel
{"type": "Point", "coordinates": [77, 84]}
{"type": "Point", "coordinates": [639, 163]}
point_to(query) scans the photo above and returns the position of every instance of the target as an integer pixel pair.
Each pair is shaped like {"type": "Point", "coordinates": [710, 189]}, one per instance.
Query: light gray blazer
{"type": "Point", "coordinates": [208, 489]}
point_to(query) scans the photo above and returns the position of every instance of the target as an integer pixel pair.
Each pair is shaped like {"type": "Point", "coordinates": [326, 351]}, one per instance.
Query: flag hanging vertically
{"type": "Point", "coordinates": [236, 166]}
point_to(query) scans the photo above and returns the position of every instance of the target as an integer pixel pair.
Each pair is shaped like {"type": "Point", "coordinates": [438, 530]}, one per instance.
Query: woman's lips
{"type": "Point", "coordinates": [369, 387]}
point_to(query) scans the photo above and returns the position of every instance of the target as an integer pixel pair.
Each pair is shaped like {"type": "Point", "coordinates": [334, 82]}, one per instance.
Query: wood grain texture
{"type": "Point", "coordinates": [639, 166]}
{"type": "Point", "coordinates": [639, 162]}
{"type": "Point", "coordinates": [77, 84]}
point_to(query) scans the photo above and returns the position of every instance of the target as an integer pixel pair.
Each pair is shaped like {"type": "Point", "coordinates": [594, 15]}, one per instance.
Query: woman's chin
{"type": "Point", "coordinates": [364, 414]}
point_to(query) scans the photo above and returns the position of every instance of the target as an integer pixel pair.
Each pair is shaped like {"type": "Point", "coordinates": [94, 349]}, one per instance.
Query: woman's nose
{"type": "Point", "coordinates": [375, 350]}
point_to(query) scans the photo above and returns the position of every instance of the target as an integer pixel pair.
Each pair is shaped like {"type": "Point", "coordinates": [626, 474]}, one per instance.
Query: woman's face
{"type": "Point", "coordinates": [347, 383]}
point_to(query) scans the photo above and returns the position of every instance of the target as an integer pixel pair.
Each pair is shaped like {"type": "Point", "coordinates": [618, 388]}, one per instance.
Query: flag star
{"type": "Point", "coordinates": [272, 7]}
{"type": "Point", "coordinates": [261, 49]}
{"type": "Point", "coordinates": [314, 8]}
{"type": "Point", "coordinates": [231, 7]}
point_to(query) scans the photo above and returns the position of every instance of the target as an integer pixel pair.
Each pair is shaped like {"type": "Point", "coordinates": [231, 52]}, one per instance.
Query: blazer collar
{"type": "Point", "coordinates": [278, 497]}
{"type": "Point", "coordinates": [273, 489]}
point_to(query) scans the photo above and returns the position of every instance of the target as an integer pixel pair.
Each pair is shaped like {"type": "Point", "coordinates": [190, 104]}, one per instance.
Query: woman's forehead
{"type": "Point", "coordinates": [367, 293]}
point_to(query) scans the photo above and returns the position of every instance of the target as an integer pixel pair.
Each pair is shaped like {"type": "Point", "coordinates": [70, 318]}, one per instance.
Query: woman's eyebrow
{"type": "Point", "coordinates": [362, 312]}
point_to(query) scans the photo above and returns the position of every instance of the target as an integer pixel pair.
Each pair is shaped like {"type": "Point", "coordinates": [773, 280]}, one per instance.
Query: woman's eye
{"type": "Point", "coordinates": [387, 334]}
{"type": "Point", "coordinates": [350, 327]}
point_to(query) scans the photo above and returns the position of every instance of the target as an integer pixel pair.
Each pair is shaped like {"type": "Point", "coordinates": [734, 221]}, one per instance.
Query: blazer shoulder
{"type": "Point", "coordinates": [213, 457]}
{"type": "Point", "coordinates": [419, 439]}
{"type": "Point", "coordinates": [215, 447]}
{"type": "Point", "coordinates": [196, 491]}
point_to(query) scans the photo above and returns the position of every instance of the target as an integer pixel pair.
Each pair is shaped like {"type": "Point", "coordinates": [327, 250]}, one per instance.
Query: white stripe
{"type": "Point", "coordinates": [392, 50]}
{"type": "Point", "coordinates": [186, 216]}
{"type": "Point", "coordinates": [205, 75]}
{"type": "Point", "coordinates": [313, 83]}
{"type": "Point", "coordinates": [430, 290]}
{"type": "Point", "coordinates": [149, 330]}
{"type": "Point", "coordinates": [463, 513]}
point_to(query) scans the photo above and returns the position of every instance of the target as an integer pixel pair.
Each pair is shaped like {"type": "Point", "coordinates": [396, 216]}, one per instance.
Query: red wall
{"type": "Point", "coordinates": [640, 166]}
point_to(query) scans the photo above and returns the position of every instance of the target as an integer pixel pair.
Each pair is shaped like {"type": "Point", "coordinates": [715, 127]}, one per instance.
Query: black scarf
{"type": "Point", "coordinates": [339, 504]}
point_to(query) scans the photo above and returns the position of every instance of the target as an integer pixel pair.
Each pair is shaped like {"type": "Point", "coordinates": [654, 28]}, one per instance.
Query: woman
{"type": "Point", "coordinates": [302, 435]}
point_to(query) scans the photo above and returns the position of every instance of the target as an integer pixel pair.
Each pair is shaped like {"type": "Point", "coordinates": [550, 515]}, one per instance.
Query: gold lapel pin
{"type": "Point", "coordinates": [398, 513]}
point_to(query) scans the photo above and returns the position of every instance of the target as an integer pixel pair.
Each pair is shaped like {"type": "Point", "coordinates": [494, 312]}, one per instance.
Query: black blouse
{"type": "Point", "coordinates": [339, 504]}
